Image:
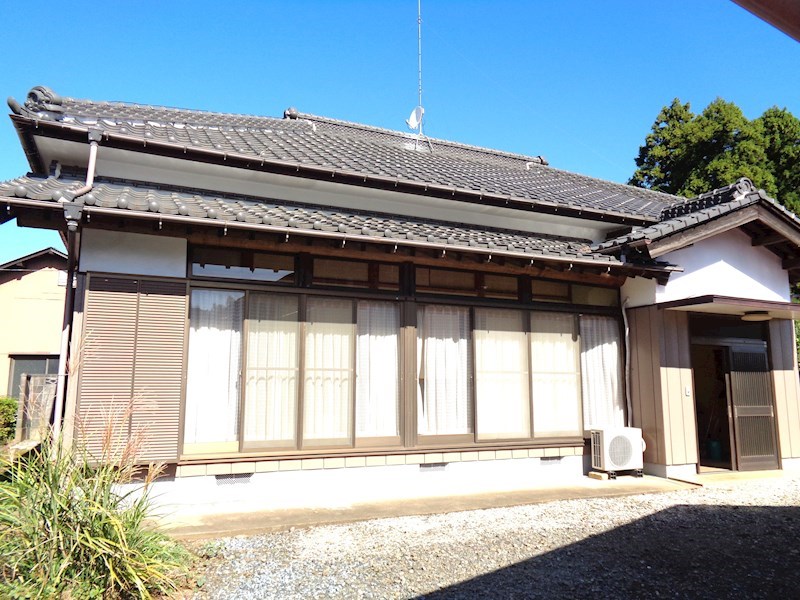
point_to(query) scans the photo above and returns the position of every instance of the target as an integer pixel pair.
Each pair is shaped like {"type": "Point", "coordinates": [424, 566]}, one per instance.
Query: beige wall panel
{"type": "Point", "coordinates": [787, 386]}
{"type": "Point", "coordinates": [33, 305]}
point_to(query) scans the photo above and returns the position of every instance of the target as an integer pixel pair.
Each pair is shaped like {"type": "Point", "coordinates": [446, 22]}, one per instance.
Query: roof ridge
{"type": "Point", "coordinates": [727, 193]}
{"type": "Point", "coordinates": [292, 113]}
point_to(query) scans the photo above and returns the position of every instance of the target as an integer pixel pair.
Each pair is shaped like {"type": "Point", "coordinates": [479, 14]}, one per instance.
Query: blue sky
{"type": "Point", "coordinates": [577, 81]}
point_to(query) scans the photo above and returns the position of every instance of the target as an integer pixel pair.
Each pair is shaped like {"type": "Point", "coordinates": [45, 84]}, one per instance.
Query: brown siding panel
{"type": "Point", "coordinates": [158, 373]}
{"type": "Point", "coordinates": [687, 381]}
{"type": "Point", "coordinates": [644, 391]}
{"type": "Point", "coordinates": [679, 421]}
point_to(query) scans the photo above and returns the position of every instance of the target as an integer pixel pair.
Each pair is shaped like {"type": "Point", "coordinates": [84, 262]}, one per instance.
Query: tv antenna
{"type": "Point", "coordinates": [414, 120]}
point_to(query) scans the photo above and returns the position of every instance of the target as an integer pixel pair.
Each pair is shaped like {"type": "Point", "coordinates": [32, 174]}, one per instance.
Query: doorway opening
{"type": "Point", "coordinates": [714, 436]}
{"type": "Point", "coordinates": [734, 396]}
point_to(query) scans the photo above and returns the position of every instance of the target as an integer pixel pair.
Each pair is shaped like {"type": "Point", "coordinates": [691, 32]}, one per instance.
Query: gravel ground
{"type": "Point", "coordinates": [738, 540]}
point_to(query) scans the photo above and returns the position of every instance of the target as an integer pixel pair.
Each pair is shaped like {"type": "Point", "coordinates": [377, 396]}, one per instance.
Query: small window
{"type": "Point", "coordinates": [349, 273]}
{"type": "Point", "coordinates": [443, 281]}
{"type": "Point", "coordinates": [29, 365]}
{"type": "Point", "coordinates": [388, 277]}
{"type": "Point", "coordinates": [595, 296]}
{"type": "Point", "coordinates": [243, 264]}
{"type": "Point", "coordinates": [550, 291]}
{"type": "Point", "coordinates": [500, 286]}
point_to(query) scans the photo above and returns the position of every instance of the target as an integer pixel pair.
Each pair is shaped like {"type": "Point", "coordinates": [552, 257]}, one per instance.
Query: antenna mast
{"type": "Point", "coordinates": [414, 121]}
{"type": "Point", "coordinates": [419, 60]}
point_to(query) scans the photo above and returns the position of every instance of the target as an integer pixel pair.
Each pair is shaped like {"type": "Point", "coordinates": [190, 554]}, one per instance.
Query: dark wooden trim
{"type": "Point", "coordinates": [701, 232]}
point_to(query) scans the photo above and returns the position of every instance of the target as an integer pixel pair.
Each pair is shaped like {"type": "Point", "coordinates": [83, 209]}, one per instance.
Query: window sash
{"type": "Point", "coordinates": [444, 361]}
{"type": "Point", "coordinates": [377, 370]}
{"type": "Point", "coordinates": [272, 373]}
{"type": "Point", "coordinates": [555, 375]}
{"type": "Point", "coordinates": [213, 371]}
{"type": "Point", "coordinates": [601, 365]}
{"type": "Point", "coordinates": [329, 372]}
{"type": "Point", "coordinates": [501, 375]}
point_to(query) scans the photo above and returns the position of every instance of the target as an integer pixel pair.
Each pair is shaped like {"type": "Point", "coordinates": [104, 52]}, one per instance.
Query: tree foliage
{"type": "Point", "coordinates": [688, 154]}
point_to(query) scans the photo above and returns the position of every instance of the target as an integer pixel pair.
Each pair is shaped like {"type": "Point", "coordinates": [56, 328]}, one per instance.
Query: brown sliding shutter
{"type": "Point", "coordinates": [158, 369]}
{"type": "Point", "coordinates": [131, 365]}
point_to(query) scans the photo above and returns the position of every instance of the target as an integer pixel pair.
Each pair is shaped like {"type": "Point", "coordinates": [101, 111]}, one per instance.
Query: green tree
{"type": "Point", "coordinates": [688, 154]}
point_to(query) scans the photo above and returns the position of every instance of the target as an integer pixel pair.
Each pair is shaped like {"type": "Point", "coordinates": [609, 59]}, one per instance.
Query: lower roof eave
{"type": "Point", "coordinates": [606, 264]}
{"type": "Point", "coordinates": [726, 305]}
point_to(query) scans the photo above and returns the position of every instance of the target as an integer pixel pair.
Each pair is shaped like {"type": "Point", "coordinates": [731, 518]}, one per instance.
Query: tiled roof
{"type": "Point", "coordinates": [132, 199]}
{"type": "Point", "coordinates": [323, 143]}
{"type": "Point", "coordinates": [699, 210]}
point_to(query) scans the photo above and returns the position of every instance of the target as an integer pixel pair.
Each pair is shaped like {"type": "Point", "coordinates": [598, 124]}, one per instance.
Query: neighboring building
{"type": "Point", "coordinates": [304, 293]}
{"type": "Point", "coordinates": [32, 306]}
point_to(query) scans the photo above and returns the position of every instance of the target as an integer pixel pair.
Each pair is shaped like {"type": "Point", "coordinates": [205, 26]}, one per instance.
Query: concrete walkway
{"type": "Point", "coordinates": [219, 522]}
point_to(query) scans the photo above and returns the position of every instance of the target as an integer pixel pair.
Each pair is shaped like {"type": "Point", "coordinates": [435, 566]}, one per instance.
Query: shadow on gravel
{"type": "Point", "coordinates": [683, 552]}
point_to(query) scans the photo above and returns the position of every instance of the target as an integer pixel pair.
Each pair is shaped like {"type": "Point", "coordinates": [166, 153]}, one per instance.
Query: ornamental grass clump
{"type": "Point", "coordinates": [68, 530]}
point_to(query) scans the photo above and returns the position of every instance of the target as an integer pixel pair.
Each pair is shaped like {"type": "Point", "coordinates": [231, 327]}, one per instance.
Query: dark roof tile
{"type": "Point", "coordinates": [127, 197]}
{"type": "Point", "coordinates": [349, 147]}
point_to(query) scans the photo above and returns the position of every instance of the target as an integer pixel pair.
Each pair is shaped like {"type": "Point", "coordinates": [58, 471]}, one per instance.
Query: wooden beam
{"type": "Point", "coordinates": [791, 263]}
{"type": "Point", "coordinates": [769, 239]}
{"type": "Point", "coordinates": [790, 231]}
{"type": "Point", "coordinates": [356, 249]}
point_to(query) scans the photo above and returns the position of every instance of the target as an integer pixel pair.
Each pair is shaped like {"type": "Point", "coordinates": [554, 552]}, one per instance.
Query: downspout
{"type": "Point", "coordinates": [73, 212]}
{"type": "Point", "coordinates": [628, 403]}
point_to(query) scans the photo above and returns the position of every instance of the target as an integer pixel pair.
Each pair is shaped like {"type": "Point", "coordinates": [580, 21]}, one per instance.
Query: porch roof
{"type": "Point", "coordinates": [745, 308]}
{"type": "Point", "coordinates": [739, 205]}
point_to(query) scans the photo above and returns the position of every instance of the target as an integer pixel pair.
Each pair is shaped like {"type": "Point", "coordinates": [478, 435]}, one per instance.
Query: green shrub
{"type": "Point", "coordinates": [66, 531]}
{"type": "Point", "coordinates": [8, 419]}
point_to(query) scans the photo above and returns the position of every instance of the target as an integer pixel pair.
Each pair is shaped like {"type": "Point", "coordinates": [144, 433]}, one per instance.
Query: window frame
{"type": "Point", "coordinates": [406, 300]}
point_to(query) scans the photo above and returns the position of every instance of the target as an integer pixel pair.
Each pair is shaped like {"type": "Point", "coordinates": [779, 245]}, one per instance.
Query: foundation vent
{"type": "Point", "coordinates": [236, 479]}
{"type": "Point", "coordinates": [432, 467]}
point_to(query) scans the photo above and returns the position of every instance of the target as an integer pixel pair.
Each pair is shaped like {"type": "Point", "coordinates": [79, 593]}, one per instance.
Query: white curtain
{"type": "Point", "coordinates": [328, 377]}
{"type": "Point", "coordinates": [272, 364]}
{"type": "Point", "coordinates": [556, 376]}
{"type": "Point", "coordinates": [501, 373]}
{"type": "Point", "coordinates": [601, 363]}
{"type": "Point", "coordinates": [443, 368]}
{"type": "Point", "coordinates": [215, 358]}
{"type": "Point", "coordinates": [377, 387]}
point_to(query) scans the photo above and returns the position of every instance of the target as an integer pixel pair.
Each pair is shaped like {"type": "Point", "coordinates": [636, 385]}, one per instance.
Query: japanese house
{"type": "Point", "coordinates": [259, 294]}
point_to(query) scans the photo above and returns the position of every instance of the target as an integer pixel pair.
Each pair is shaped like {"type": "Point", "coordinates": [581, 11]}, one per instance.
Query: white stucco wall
{"type": "Point", "coordinates": [639, 291]}
{"type": "Point", "coordinates": [725, 265]}
{"type": "Point", "coordinates": [132, 253]}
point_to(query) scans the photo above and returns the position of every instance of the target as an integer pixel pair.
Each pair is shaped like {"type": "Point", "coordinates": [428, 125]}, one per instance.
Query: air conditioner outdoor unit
{"type": "Point", "coordinates": [617, 449]}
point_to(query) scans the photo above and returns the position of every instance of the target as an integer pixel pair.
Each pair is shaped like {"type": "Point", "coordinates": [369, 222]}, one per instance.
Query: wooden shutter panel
{"type": "Point", "coordinates": [158, 372]}
{"type": "Point", "coordinates": [106, 359]}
